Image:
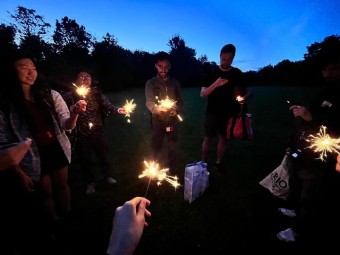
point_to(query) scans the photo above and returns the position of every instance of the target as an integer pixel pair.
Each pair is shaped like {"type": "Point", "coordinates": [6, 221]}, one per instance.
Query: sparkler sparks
{"type": "Point", "coordinates": [81, 90]}
{"type": "Point", "coordinates": [154, 172]}
{"type": "Point", "coordinates": [129, 107]}
{"type": "Point", "coordinates": [239, 98]}
{"type": "Point", "coordinates": [322, 143]}
{"type": "Point", "coordinates": [166, 103]}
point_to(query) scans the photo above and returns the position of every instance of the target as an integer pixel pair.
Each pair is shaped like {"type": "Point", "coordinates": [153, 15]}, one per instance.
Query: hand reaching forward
{"type": "Point", "coordinates": [128, 226]}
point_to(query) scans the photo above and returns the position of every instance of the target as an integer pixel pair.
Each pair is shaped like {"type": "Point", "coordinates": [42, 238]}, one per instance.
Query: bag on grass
{"type": "Point", "coordinates": [277, 181]}
{"type": "Point", "coordinates": [196, 180]}
{"type": "Point", "coordinates": [240, 127]}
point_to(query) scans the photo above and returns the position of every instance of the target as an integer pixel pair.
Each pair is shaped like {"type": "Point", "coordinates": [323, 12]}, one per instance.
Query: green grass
{"type": "Point", "coordinates": [234, 213]}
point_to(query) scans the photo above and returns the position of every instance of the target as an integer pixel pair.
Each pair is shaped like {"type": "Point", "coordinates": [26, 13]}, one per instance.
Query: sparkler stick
{"type": "Point", "coordinates": [129, 107]}
{"type": "Point", "coordinates": [154, 172]}
{"type": "Point", "coordinates": [323, 143]}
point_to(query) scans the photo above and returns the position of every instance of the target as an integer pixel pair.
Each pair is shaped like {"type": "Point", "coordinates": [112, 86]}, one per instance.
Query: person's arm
{"type": "Point", "coordinates": [67, 118]}
{"type": "Point", "coordinates": [206, 91]}
{"type": "Point", "coordinates": [301, 111]}
{"type": "Point", "coordinates": [151, 103]}
{"type": "Point", "coordinates": [109, 107]}
{"type": "Point", "coordinates": [12, 156]}
{"type": "Point", "coordinates": [128, 226]}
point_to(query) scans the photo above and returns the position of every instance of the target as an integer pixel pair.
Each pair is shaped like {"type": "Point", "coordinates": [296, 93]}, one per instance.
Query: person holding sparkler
{"type": "Point", "coordinates": [90, 127]}
{"type": "Point", "coordinates": [164, 101]}
{"type": "Point", "coordinates": [314, 181]}
{"type": "Point", "coordinates": [31, 110]}
{"type": "Point", "coordinates": [226, 93]}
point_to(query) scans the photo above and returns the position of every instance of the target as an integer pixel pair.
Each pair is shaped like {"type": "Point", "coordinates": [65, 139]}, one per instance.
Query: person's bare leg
{"type": "Point", "coordinates": [48, 201]}
{"type": "Point", "coordinates": [62, 190]}
{"type": "Point", "coordinates": [205, 147]}
{"type": "Point", "coordinates": [220, 149]}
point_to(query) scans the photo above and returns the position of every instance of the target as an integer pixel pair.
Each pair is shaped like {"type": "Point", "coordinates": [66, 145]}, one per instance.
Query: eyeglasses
{"type": "Point", "coordinates": [161, 68]}
{"type": "Point", "coordinates": [85, 77]}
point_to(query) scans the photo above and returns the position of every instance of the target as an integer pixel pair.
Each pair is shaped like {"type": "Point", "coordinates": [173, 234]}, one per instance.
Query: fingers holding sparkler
{"type": "Point", "coordinates": [337, 167]}
{"type": "Point", "coordinates": [78, 107]}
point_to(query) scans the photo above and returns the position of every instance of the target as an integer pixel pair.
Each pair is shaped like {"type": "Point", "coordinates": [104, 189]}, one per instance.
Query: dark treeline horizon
{"type": "Point", "coordinates": [71, 48]}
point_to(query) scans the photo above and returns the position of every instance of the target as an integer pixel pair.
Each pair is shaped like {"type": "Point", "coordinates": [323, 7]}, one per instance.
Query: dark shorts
{"type": "Point", "coordinates": [215, 125]}
{"type": "Point", "coordinates": [52, 157]}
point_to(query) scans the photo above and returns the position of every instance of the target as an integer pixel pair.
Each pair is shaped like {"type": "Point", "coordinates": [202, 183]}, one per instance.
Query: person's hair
{"type": "Point", "coordinates": [329, 54]}
{"type": "Point", "coordinates": [162, 55]}
{"type": "Point", "coordinates": [228, 48]}
{"type": "Point", "coordinates": [41, 93]}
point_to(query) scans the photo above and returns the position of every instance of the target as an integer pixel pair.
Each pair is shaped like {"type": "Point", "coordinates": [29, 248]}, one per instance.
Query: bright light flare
{"type": "Point", "coordinates": [154, 172]}
{"type": "Point", "coordinates": [166, 103]}
{"type": "Point", "coordinates": [179, 117]}
{"type": "Point", "coordinates": [90, 125]}
{"type": "Point", "coordinates": [129, 107]}
{"type": "Point", "coordinates": [81, 90]}
{"type": "Point", "coordinates": [322, 143]}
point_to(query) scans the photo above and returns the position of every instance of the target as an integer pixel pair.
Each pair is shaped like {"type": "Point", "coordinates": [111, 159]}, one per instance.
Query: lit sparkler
{"type": "Point", "coordinates": [166, 103]}
{"type": "Point", "coordinates": [239, 98]}
{"type": "Point", "coordinates": [81, 90]}
{"type": "Point", "coordinates": [90, 125]}
{"type": "Point", "coordinates": [322, 143]}
{"type": "Point", "coordinates": [129, 107]}
{"type": "Point", "coordinates": [154, 172]}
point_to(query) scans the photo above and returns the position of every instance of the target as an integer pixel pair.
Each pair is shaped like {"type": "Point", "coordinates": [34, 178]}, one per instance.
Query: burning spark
{"type": "Point", "coordinates": [81, 90]}
{"type": "Point", "coordinates": [90, 125]}
{"type": "Point", "coordinates": [239, 98]}
{"type": "Point", "coordinates": [323, 143]}
{"type": "Point", "coordinates": [154, 173]}
{"type": "Point", "coordinates": [166, 103]}
{"type": "Point", "coordinates": [129, 107]}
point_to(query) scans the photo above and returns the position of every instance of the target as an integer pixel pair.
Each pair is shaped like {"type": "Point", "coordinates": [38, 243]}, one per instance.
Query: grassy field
{"type": "Point", "coordinates": [234, 213]}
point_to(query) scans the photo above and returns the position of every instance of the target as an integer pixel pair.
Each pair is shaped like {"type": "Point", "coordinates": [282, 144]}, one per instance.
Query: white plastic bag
{"type": "Point", "coordinates": [196, 180]}
{"type": "Point", "coordinates": [277, 181]}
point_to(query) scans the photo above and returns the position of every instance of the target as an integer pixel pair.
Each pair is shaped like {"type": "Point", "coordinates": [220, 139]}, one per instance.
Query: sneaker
{"type": "Point", "coordinates": [91, 188]}
{"type": "Point", "coordinates": [287, 235]}
{"type": "Point", "coordinates": [110, 180]}
{"type": "Point", "coordinates": [287, 212]}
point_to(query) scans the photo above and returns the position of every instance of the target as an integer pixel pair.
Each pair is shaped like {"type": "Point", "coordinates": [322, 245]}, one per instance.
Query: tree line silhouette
{"type": "Point", "coordinates": [116, 68]}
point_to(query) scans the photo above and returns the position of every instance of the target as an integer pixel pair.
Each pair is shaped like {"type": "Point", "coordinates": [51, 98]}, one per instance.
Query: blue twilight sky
{"type": "Point", "coordinates": [264, 32]}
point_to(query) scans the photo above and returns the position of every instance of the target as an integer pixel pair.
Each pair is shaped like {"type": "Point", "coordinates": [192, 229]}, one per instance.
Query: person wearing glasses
{"type": "Point", "coordinates": [90, 127]}
{"type": "Point", "coordinates": [158, 90]}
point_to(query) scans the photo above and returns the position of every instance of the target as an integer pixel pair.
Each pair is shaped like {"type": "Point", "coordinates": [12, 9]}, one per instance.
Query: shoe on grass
{"type": "Point", "coordinates": [110, 180]}
{"type": "Point", "coordinates": [287, 235]}
{"type": "Point", "coordinates": [287, 212]}
{"type": "Point", "coordinates": [91, 188]}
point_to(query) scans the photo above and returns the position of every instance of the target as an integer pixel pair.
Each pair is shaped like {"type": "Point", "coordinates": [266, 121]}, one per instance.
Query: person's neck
{"type": "Point", "coordinates": [225, 70]}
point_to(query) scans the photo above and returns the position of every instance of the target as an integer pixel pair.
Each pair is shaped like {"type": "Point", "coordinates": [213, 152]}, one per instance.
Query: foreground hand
{"type": "Point", "coordinates": [300, 111]}
{"type": "Point", "coordinates": [78, 107]}
{"type": "Point", "coordinates": [337, 167]}
{"type": "Point", "coordinates": [13, 155]}
{"type": "Point", "coordinates": [128, 226]}
{"type": "Point", "coordinates": [160, 110]}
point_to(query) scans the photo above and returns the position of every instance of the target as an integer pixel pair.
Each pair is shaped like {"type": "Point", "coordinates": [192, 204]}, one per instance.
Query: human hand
{"type": "Point", "coordinates": [26, 181]}
{"type": "Point", "coordinates": [78, 107]}
{"type": "Point", "coordinates": [173, 112]}
{"type": "Point", "coordinates": [300, 111]}
{"type": "Point", "coordinates": [220, 82]}
{"type": "Point", "coordinates": [121, 110]}
{"type": "Point", "coordinates": [128, 226]}
{"type": "Point", "coordinates": [13, 155]}
{"type": "Point", "coordinates": [160, 110]}
{"type": "Point", "coordinates": [337, 167]}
